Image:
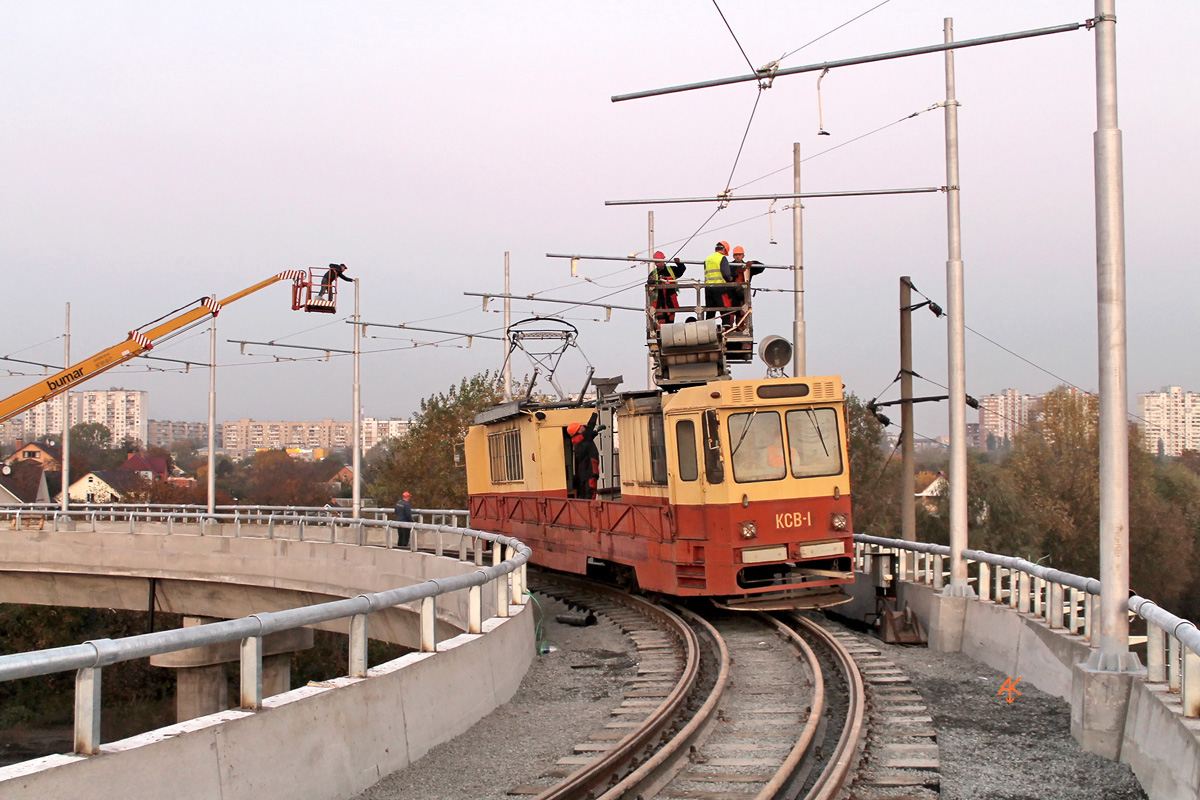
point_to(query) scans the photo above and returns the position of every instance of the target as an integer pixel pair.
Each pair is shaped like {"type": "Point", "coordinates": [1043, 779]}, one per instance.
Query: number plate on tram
{"type": "Point", "coordinates": [762, 554]}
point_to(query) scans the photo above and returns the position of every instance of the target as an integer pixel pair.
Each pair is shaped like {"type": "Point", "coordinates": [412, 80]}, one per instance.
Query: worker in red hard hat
{"type": "Point", "coordinates": [739, 296]}
{"type": "Point", "coordinates": [665, 298]}
{"type": "Point", "coordinates": [585, 455]}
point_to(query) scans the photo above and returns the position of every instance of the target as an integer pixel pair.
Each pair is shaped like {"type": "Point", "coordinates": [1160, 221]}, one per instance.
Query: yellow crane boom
{"type": "Point", "coordinates": [137, 343]}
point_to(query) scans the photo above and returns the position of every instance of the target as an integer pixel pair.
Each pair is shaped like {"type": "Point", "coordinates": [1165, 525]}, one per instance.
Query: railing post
{"type": "Point", "coordinates": [514, 582]}
{"type": "Point", "coordinates": [438, 550]}
{"type": "Point", "coordinates": [1156, 664]}
{"type": "Point", "coordinates": [1040, 608]}
{"type": "Point", "coordinates": [358, 645]}
{"type": "Point", "coordinates": [902, 557]}
{"type": "Point", "coordinates": [87, 711]}
{"type": "Point", "coordinates": [1013, 594]}
{"type": "Point", "coordinates": [501, 583]}
{"type": "Point", "coordinates": [478, 551]}
{"type": "Point", "coordinates": [1056, 605]}
{"type": "Point", "coordinates": [1173, 664]}
{"type": "Point", "coordinates": [300, 528]}
{"type": "Point", "coordinates": [985, 581]}
{"type": "Point", "coordinates": [428, 626]}
{"type": "Point", "coordinates": [271, 526]}
{"type": "Point", "coordinates": [251, 673]}
{"type": "Point", "coordinates": [937, 572]}
{"type": "Point", "coordinates": [1087, 617]}
{"type": "Point", "coordinates": [475, 609]}
{"type": "Point", "coordinates": [1073, 616]}
{"type": "Point", "coordinates": [1191, 684]}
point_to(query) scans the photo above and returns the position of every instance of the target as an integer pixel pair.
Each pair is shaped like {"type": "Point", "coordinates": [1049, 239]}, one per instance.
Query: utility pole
{"type": "Point", "coordinates": [908, 502]}
{"type": "Point", "coordinates": [356, 502]}
{"type": "Point", "coordinates": [799, 365]}
{"type": "Point", "coordinates": [212, 412]}
{"type": "Point", "coordinates": [507, 344]}
{"type": "Point", "coordinates": [651, 267]}
{"type": "Point", "coordinates": [957, 345]}
{"type": "Point", "coordinates": [66, 436]}
{"type": "Point", "coordinates": [1113, 654]}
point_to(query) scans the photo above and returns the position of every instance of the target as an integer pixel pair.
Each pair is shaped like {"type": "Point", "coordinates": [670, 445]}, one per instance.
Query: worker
{"type": "Point", "coordinates": [404, 514]}
{"type": "Point", "coordinates": [586, 456]}
{"type": "Point", "coordinates": [335, 271]}
{"type": "Point", "coordinates": [716, 271]}
{"type": "Point", "coordinates": [665, 300]}
{"type": "Point", "coordinates": [739, 296]}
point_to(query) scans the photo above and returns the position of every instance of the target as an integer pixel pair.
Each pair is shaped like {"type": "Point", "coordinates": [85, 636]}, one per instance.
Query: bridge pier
{"type": "Point", "coordinates": [1100, 707]}
{"type": "Point", "coordinates": [202, 684]}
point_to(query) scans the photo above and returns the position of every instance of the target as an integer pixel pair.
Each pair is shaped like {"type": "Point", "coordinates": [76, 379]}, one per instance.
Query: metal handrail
{"type": "Point", "coordinates": [1172, 643]}
{"type": "Point", "coordinates": [90, 657]}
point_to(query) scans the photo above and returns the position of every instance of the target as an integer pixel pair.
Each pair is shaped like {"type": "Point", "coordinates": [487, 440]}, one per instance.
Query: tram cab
{"type": "Point", "coordinates": [732, 489]}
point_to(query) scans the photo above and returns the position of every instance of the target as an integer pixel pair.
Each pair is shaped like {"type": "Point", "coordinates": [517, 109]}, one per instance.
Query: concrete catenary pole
{"type": "Point", "coordinates": [66, 434]}
{"type": "Point", "coordinates": [908, 500]}
{"type": "Point", "coordinates": [1113, 653]}
{"type": "Point", "coordinates": [650, 271]}
{"type": "Point", "coordinates": [956, 347]}
{"type": "Point", "coordinates": [212, 412]}
{"type": "Point", "coordinates": [799, 363]}
{"type": "Point", "coordinates": [507, 345]}
{"type": "Point", "coordinates": [356, 434]}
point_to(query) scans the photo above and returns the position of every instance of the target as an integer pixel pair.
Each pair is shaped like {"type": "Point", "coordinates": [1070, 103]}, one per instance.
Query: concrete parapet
{"type": "Point", "coordinates": [1099, 705]}
{"type": "Point", "coordinates": [329, 740]}
{"type": "Point", "coordinates": [1160, 744]}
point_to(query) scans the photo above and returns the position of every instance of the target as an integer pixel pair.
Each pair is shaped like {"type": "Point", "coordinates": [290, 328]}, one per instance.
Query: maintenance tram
{"type": "Point", "coordinates": [736, 490]}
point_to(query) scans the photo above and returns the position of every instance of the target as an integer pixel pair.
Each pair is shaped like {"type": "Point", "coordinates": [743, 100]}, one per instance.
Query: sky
{"type": "Point", "coordinates": [154, 153]}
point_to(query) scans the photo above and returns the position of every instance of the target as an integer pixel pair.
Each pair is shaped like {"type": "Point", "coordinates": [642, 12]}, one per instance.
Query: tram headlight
{"type": "Point", "coordinates": [838, 521]}
{"type": "Point", "coordinates": [749, 530]}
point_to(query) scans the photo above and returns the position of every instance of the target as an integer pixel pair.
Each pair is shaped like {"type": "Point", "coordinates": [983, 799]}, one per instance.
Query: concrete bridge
{"type": "Point", "coordinates": [473, 644]}
{"type": "Point", "coordinates": [268, 576]}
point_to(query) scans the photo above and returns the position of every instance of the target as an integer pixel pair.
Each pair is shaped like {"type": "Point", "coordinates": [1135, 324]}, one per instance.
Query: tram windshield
{"type": "Point", "coordinates": [756, 441]}
{"type": "Point", "coordinates": [813, 439]}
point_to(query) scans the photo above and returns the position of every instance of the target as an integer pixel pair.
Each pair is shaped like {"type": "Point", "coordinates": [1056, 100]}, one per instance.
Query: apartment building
{"type": "Point", "coordinates": [1004, 415]}
{"type": "Point", "coordinates": [122, 411]}
{"type": "Point", "coordinates": [246, 435]}
{"type": "Point", "coordinates": [164, 433]}
{"type": "Point", "coordinates": [1170, 420]}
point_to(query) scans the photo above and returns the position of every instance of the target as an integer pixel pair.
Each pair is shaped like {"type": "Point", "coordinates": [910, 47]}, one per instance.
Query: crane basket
{"type": "Point", "coordinates": [315, 290]}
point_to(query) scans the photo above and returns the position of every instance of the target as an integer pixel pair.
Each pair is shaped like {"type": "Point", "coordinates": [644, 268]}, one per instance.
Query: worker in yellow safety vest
{"type": "Point", "coordinates": [716, 271]}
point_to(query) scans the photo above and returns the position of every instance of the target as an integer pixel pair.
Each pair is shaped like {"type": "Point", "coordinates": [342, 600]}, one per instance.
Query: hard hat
{"type": "Point", "coordinates": [739, 250]}
{"type": "Point", "coordinates": [724, 246]}
{"type": "Point", "coordinates": [659, 255]}
{"type": "Point", "coordinates": [574, 428]}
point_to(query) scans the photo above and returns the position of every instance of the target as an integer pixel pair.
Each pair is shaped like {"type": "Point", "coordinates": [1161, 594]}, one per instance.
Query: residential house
{"type": "Point", "coordinates": [23, 482]}
{"type": "Point", "coordinates": [152, 469]}
{"type": "Point", "coordinates": [106, 486]}
{"type": "Point", "coordinates": [48, 456]}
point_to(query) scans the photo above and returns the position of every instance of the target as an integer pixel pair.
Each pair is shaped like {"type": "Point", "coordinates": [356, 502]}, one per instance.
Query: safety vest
{"type": "Point", "coordinates": [670, 278]}
{"type": "Point", "coordinates": [712, 268]}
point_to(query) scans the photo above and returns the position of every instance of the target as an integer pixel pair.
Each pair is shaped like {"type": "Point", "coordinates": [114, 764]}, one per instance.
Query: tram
{"type": "Point", "coordinates": [735, 490]}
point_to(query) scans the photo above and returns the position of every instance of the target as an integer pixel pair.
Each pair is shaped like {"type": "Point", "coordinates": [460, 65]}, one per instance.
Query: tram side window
{"type": "Point", "coordinates": [658, 450]}
{"type": "Point", "coordinates": [714, 467]}
{"type": "Point", "coordinates": [813, 439]}
{"type": "Point", "coordinates": [685, 438]}
{"type": "Point", "coordinates": [504, 456]}
{"type": "Point", "coordinates": [756, 446]}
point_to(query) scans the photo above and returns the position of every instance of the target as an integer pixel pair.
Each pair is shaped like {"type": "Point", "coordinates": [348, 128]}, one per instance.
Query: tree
{"type": "Point", "coordinates": [422, 461]}
{"type": "Point", "coordinates": [277, 479]}
{"type": "Point", "coordinates": [874, 475]}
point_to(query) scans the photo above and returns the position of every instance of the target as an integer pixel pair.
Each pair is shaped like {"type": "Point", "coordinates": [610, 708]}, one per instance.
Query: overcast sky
{"type": "Point", "coordinates": [153, 153]}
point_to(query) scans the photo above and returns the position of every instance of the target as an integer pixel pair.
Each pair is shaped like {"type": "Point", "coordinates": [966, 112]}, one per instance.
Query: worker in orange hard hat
{"type": "Point", "coordinates": [739, 296]}
{"type": "Point", "coordinates": [664, 299]}
{"type": "Point", "coordinates": [585, 456]}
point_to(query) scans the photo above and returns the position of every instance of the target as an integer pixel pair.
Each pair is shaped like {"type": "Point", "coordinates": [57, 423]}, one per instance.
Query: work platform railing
{"type": "Point", "coordinates": [1066, 601]}
{"type": "Point", "coordinates": [505, 574]}
{"type": "Point", "coordinates": [437, 516]}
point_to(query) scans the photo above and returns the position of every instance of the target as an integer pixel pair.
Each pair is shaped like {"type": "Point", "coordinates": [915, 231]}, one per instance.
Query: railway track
{"type": "Point", "coordinates": [725, 706]}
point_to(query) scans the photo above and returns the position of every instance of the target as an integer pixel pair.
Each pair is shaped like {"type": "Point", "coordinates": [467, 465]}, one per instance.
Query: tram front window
{"type": "Point", "coordinates": [813, 439]}
{"type": "Point", "coordinates": [756, 442]}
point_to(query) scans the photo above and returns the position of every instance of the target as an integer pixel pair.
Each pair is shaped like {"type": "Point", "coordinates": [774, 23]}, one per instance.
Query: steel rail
{"type": "Point", "coordinates": [834, 777]}
{"type": "Point", "coordinates": [817, 711]}
{"type": "Point", "coordinates": [648, 779]}
{"type": "Point", "coordinates": [585, 781]}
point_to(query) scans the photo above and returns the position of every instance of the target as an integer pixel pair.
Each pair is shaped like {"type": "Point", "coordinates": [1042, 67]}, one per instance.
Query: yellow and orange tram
{"type": "Point", "coordinates": [737, 490]}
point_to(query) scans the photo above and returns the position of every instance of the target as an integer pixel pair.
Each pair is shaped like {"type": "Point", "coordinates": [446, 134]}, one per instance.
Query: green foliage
{"type": "Point", "coordinates": [422, 461]}
{"type": "Point", "coordinates": [1039, 498]}
{"type": "Point", "coordinates": [874, 474]}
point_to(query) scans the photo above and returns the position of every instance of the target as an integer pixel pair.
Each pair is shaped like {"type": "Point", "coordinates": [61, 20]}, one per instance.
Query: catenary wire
{"type": "Point", "coordinates": [832, 30]}
{"type": "Point", "coordinates": [734, 35]}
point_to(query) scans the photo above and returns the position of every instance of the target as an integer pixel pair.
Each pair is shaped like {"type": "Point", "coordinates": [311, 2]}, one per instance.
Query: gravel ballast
{"type": "Point", "coordinates": [988, 749]}
{"type": "Point", "coordinates": [991, 749]}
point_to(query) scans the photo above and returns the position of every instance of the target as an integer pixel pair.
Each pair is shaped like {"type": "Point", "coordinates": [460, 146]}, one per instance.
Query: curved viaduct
{"type": "Point", "coordinates": [334, 739]}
